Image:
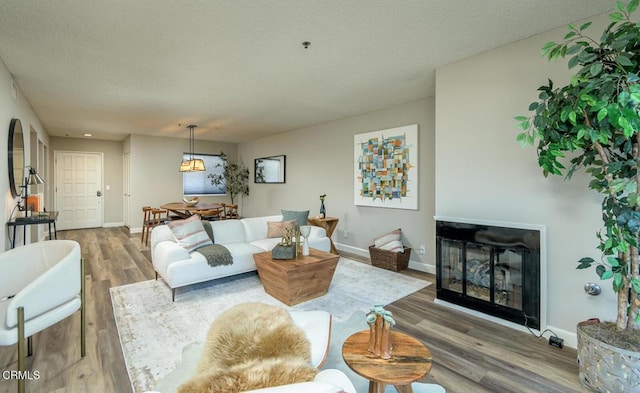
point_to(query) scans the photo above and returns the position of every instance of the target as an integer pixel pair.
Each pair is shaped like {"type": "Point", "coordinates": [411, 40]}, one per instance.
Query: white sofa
{"type": "Point", "coordinates": [242, 238]}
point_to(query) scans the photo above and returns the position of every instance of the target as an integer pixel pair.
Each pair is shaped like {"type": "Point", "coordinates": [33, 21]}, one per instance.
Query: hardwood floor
{"type": "Point", "coordinates": [469, 354]}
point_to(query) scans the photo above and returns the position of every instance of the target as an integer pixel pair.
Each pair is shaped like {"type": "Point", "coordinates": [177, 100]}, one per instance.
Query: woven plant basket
{"type": "Point", "coordinates": [390, 260]}
{"type": "Point", "coordinates": [604, 368]}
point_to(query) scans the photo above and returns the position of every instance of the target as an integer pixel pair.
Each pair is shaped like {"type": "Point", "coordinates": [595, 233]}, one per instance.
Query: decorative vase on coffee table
{"type": "Point", "coordinates": [305, 230]}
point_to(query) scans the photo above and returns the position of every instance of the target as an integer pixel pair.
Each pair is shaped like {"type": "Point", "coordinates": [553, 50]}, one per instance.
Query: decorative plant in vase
{"type": "Point", "coordinates": [323, 210]}
{"type": "Point", "coordinates": [235, 177]}
{"type": "Point", "coordinates": [595, 119]}
{"type": "Point", "coordinates": [380, 323]}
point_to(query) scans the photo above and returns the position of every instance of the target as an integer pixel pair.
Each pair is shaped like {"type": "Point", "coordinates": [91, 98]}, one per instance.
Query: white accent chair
{"type": "Point", "coordinates": [317, 327]}
{"type": "Point", "coordinates": [40, 284]}
{"type": "Point", "coordinates": [327, 381]}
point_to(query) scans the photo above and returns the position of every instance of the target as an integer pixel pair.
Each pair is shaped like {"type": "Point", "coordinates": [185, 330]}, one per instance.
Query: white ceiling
{"type": "Point", "coordinates": [237, 68]}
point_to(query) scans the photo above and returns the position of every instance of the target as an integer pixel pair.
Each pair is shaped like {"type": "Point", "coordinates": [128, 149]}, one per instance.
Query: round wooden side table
{"type": "Point", "coordinates": [410, 361]}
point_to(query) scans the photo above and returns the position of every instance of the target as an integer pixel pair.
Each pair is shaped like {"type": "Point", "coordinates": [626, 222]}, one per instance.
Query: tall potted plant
{"type": "Point", "coordinates": [595, 119]}
{"type": "Point", "coordinates": [235, 177]}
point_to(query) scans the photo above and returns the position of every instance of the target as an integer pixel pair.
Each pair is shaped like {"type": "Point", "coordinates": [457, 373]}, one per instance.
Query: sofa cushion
{"type": "Point", "coordinates": [228, 231]}
{"type": "Point", "coordinates": [190, 233]}
{"type": "Point", "coordinates": [279, 228]}
{"type": "Point", "coordinates": [256, 227]}
{"type": "Point", "coordinates": [300, 216]}
{"type": "Point", "coordinates": [266, 244]}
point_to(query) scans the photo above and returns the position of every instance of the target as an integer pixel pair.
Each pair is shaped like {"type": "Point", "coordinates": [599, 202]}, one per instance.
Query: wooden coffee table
{"type": "Point", "coordinates": [410, 361]}
{"type": "Point", "coordinates": [294, 281]}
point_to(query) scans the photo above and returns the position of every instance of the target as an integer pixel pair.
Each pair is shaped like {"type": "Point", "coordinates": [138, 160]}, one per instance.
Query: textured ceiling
{"type": "Point", "coordinates": [237, 68]}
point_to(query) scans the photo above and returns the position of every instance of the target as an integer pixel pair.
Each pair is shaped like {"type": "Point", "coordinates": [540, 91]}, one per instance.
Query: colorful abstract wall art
{"type": "Point", "coordinates": [386, 168]}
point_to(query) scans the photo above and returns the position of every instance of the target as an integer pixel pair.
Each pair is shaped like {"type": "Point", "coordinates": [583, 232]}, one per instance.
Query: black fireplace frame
{"type": "Point", "coordinates": [525, 242]}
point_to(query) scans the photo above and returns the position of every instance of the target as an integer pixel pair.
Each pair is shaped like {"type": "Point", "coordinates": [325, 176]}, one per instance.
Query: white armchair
{"type": "Point", "coordinates": [327, 381]}
{"type": "Point", "coordinates": [40, 284]}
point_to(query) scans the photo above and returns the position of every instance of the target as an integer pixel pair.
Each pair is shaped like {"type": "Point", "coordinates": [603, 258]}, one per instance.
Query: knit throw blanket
{"type": "Point", "coordinates": [216, 254]}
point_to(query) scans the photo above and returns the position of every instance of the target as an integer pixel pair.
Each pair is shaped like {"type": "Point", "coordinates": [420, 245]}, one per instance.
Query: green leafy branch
{"type": "Point", "coordinates": [595, 120]}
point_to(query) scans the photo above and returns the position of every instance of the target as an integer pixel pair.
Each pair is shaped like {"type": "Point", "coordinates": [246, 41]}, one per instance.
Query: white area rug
{"type": "Point", "coordinates": [154, 331]}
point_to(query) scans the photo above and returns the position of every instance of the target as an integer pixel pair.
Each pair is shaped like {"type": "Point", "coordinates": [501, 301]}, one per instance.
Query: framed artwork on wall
{"type": "Point", "coordinates": [386, 168]}
{"type": "Point", "coordinates": [199, 183]}
{"type": "Point", "coordinates": [270, 169]}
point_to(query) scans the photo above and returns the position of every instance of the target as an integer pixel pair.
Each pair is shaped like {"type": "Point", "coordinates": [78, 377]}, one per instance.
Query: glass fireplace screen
{"type": "Point", "coordinates": [495, 272]}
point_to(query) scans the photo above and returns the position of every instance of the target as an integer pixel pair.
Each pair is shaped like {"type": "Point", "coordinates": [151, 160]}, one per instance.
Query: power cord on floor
{"type": "Point", "coordinates": [11, 219]}
{"type": "Point", "coordinates": [554, 339]}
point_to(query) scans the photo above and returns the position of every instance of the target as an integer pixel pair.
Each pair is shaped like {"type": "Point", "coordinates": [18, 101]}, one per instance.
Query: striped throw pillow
{"type": "Point", "coordinates": [190, 233]}
{"type": "Point", "coordinates": [391, 241]}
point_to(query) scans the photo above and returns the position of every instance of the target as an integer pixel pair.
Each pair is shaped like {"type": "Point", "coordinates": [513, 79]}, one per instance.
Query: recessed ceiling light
{"type": "Point", "coordinates": [87, 134]}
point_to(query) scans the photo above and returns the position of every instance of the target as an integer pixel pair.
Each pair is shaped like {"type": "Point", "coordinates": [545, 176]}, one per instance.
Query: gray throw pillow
{"type": "Point", "coordinates": [300, 216]}
{"type": "Point", "coordinates": [208, 229]}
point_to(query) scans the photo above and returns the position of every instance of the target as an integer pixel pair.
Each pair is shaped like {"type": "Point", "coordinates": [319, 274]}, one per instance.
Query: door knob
{"type": "Point", "coordinates": [98, 193]}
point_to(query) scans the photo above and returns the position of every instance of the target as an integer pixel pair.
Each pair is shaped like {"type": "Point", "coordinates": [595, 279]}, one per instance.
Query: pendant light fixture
{"type": "Point", "coordinates": [192, 164]}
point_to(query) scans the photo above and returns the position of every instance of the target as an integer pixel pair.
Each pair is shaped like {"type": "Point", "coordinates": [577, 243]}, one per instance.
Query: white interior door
{"type": "Point", "coordinates": [78, 190]}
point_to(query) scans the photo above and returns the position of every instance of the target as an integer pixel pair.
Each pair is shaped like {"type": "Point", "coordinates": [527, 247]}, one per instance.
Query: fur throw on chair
{"type": "Point", "coordinates": [251, 346]}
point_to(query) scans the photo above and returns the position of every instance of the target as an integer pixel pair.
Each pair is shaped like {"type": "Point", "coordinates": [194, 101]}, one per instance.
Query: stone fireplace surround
{"type": "Point", "coordinates": [487, 292]}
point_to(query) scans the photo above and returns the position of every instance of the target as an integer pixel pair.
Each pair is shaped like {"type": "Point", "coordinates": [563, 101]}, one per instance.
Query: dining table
{"type": "Point", "coordinates": [184, 210]}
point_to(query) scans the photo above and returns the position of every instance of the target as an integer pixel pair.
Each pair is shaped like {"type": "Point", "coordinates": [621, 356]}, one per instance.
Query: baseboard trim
{"type": "Point", "coordinates": [570, 338]}
{"type": "Point", "coordinates": [135, 230]}
{"type": "Point", "coordinates": [415, 265]}
{"type": "Point", "coordinates": [112, 224]}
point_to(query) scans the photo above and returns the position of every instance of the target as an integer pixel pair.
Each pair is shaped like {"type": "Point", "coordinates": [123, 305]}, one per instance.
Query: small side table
{"type": "Point", "coordinates": [410, 361]}
{"type": "Point", "coordinates": [48, 218]}
{"type": "Point", "coordinates": [329, 224]}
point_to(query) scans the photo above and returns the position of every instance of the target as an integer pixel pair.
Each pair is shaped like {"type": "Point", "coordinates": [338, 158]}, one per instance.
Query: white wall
{"type": "Point", "coordinates": [320, 160]}
{"type": "Point", "coordinates": [155, 179]}
{"type": "Point", "coordinates": [21, 109]}
{"type": "Point", "coordinates": [483, 173]}
{"type": "Point", "coordinates": [112, 171]}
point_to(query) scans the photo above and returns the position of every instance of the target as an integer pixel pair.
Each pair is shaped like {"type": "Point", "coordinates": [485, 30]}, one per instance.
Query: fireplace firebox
{"type": "Point", "coordinates": [491, 269]}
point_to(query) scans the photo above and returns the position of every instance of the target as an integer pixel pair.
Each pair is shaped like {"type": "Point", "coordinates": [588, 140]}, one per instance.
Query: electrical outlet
{"type": "Point", "coordinates": [346, 234]}
{"type": "Point", "coordinates": [423, 249]}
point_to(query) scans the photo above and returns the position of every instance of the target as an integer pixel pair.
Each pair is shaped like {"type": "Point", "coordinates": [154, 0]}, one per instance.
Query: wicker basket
{"type": "Point", "coordinates": [390, 260]}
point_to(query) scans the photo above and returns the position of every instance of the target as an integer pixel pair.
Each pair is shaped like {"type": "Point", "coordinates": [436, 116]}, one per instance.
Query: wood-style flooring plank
{"type": "Point", "coordinates": [469, 354]}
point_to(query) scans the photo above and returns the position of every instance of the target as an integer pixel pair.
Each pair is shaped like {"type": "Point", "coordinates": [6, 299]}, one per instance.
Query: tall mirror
{"type": "Point", "coordinates": [16, 156]}
{"type": "Point", "coordinates": [270, 169]}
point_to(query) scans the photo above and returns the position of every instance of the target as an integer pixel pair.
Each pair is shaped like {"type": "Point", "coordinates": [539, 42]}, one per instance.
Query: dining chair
{"type": "Point", "coordinates": [231, 211]}
{"type": "Point", "coordinates": [210, 214]}
{"type": "Point", "coordinates": [152, 218]}
{"type": "Point", "coordinates": [146, 210]}
{"type": "Point", "coordinates": [40, 285]}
